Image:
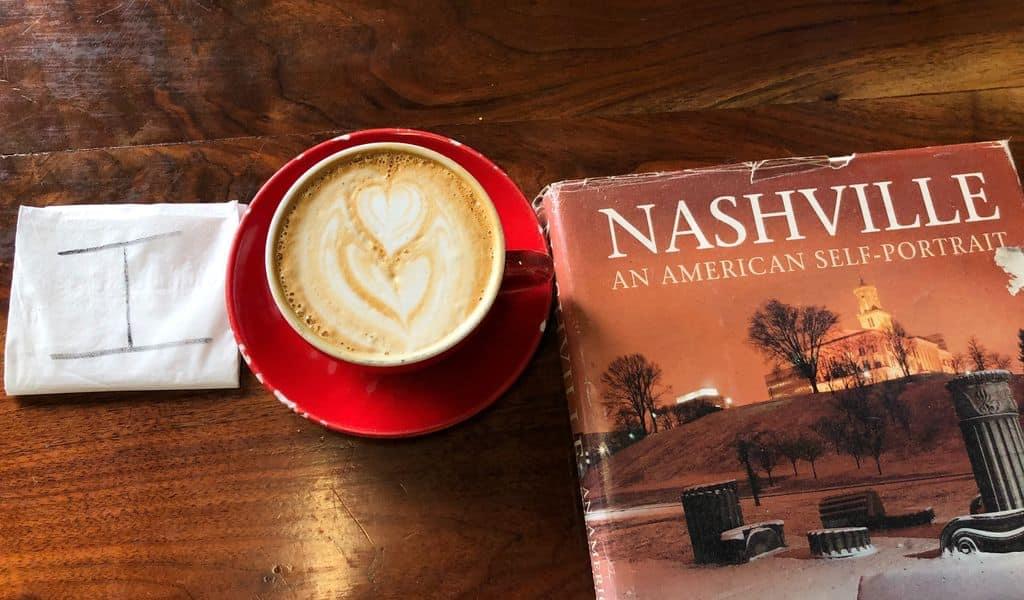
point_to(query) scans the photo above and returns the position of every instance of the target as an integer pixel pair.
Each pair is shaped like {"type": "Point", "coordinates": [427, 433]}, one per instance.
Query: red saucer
{"type": "Point", "coordinates": [352, 399]}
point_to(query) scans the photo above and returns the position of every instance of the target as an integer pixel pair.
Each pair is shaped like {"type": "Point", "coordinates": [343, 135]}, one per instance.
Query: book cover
{"type": "Point", "coordinates": [798, 377]}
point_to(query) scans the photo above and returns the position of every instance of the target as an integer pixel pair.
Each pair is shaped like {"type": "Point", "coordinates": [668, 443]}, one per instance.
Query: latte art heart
{"type": "Point", "coordinates": [386, 254]}
{"type": "Point", "coordinates": [396, 289]}
{"type": "Point", "coordinates": [391, 214]}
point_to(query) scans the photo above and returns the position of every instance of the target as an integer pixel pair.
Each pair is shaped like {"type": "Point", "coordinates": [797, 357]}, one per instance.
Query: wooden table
{"type": "Point", "coordinates": [229, 494]}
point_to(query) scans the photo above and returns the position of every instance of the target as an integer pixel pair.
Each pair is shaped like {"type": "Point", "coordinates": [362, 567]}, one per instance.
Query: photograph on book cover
{"type": "Point", "coordinates": [797, 378]}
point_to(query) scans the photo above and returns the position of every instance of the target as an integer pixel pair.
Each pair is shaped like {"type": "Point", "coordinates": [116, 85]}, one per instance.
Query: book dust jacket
{"type": "Point", "coordinates": [798, 378]}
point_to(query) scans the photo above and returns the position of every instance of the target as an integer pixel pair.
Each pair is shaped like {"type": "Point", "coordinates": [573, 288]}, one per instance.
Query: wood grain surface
{"type": "Point", "coordinates": [86, 74]}
{"type": "Point", "coordinates": [229, 494]}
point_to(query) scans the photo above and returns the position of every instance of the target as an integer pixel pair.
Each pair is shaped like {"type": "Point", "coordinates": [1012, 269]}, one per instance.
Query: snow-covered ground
{"type": "Point", "coordinates": [891, 573]}
{"type": "Point", "coordinates": [649, 549]}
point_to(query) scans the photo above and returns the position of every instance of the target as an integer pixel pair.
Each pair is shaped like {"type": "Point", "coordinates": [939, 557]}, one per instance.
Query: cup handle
{"type": "Point", "coordinates": [525, 269]}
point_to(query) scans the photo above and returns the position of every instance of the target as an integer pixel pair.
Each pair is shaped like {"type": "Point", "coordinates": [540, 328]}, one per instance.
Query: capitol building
{"type": "Point", "coordinates": [869, 347]}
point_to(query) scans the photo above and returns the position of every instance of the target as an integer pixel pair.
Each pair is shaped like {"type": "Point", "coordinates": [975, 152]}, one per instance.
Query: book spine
{"type": "Point", "coordinates": [576, 389]}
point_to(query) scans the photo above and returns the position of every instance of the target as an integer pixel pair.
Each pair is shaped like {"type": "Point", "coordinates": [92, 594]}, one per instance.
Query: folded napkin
{"type": "Point", "coordinates": [120, 297]}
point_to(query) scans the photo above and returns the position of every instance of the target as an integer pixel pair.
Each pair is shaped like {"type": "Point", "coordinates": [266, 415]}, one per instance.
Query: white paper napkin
{"type": "Point", "coordinates": [120, 297]}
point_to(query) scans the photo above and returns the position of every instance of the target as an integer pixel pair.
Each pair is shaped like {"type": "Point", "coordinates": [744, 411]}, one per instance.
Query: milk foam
{"type": "Point", "coordinates": [385, 254]}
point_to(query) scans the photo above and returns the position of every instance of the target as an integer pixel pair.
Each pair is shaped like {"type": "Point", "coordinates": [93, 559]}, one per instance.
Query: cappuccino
{"type": "Point", "coordinates": [384, 255]}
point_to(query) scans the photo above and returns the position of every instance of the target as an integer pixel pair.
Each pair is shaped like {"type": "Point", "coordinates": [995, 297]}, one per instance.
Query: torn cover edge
{"type": "Point", "coordinates": [760, 170]}
{"type": "Point", "coordinates": [1011, 260]}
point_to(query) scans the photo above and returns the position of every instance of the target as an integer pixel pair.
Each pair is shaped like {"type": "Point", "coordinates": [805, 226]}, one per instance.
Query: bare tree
{"type": "Point", "coordinates": [848, 362]}
{"type": "Point", "coordinates": [854, 443]}
{"type": "Point", "coordinates": [864, 422]}
{"type": "Point", "coordinates": [901, 414]}
{"type": "Point", "coordinates": [790, 448]}
{"type": "Point", "coordinates": [1020, 346]}
{"type": "Point", "coordinates": [854, 403]}
{"type": "Point", "coordinates": [999, 361]}
{"type": "Point", "coordinates": [976, 354]}
{"type": "Point", "coordinates": [672, 416]}
{"type": "Point", "coordinates": [768, 454]}
{"type": "Point", "coordinates": [898, 410]}
{"type": "Point", "coordinates": [832, 430]}
{"type": "Point", "coordinates": [811, 449]}
{"type": "Point", "coordinates": [899, 345]}
{"type": "Point", "coordinates": [691, 411]}
{"type": "Point", "coordinates": [792, 334]}
{"type": "Point", "coordinates": [627, 421]}
{"type": "Point", "coordinates": [958, 361]}
{"type": "Point", "coordinates": [633, 381]}
{"type": "Point", "coordinates": [746, 448]}
{"type": "Point", "coordinates": [874, 430]}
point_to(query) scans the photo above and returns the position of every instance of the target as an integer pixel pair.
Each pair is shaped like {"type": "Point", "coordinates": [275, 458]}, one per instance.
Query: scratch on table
{"type": "Point", "coordinates": [12, 126]}
{"type": "Point", "coordinates": [109, 10]}
{"type": "Point", "coordinates": [345, 506]}
{"type": "Point", "coordinates": [31, 25]}
{"type": "Point", "coordinates": [402, 485]}
{"type": "Point", "coordinates": [340, 551]}
{"type": "Point", "coordinates": [375, 565]}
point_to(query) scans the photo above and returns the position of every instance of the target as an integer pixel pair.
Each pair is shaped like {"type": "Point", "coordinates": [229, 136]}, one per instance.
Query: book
{"type": "Point", "coordinates": [797, 377]}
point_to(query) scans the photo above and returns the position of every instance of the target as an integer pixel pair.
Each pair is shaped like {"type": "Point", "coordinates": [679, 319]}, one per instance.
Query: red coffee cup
{"type": "Point", "coordinates": [511, 270]}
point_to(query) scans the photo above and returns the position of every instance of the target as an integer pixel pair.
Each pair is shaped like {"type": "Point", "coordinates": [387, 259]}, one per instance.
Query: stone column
{"type": "Point", "coordinates": [711, 509]}
{"type": "Point", "coordinates": [990, 423]}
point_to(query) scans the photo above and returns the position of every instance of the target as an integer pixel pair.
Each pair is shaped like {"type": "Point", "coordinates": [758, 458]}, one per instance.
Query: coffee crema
{"type": "Point", "coordinates": [386, 254]}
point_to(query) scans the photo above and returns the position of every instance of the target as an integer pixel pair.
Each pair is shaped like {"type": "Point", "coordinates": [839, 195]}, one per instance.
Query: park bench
{"type": "Point", "coordinates": [865, 509]}
{"type": "Point", "coordinates": [747, 542]}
